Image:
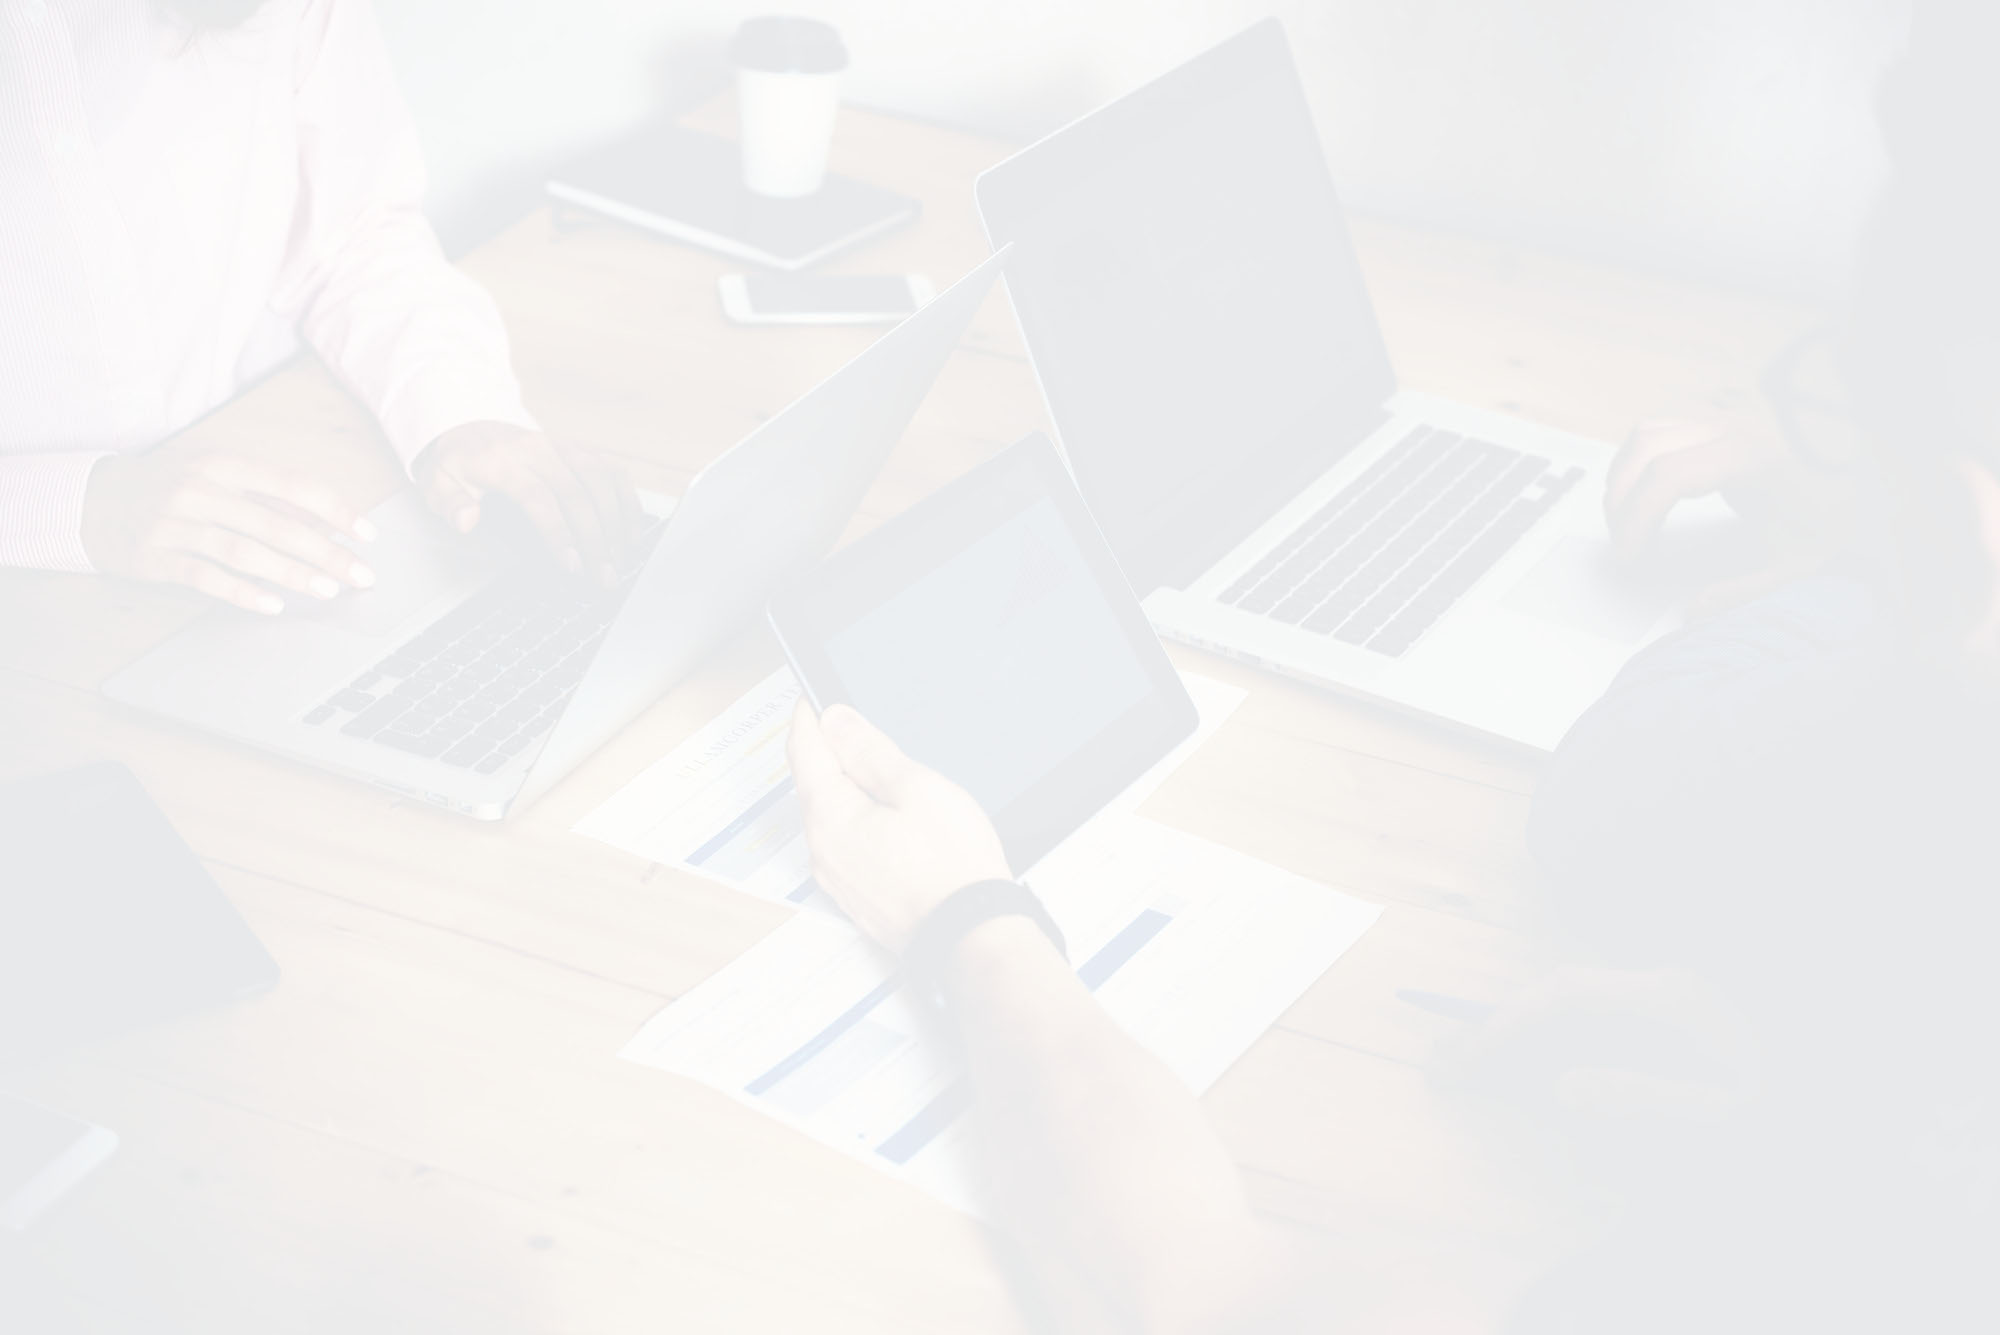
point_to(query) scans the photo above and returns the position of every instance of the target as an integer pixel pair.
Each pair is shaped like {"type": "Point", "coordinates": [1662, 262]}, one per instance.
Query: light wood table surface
{"type": "Point", "coordinates": [424, 1126]}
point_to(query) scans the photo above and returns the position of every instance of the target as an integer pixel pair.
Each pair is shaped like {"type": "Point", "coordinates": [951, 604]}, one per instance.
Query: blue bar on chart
{"type": "Point", "coordinates": [904, 1143]}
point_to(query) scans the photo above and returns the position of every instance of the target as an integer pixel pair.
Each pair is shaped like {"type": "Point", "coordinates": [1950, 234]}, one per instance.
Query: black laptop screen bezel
{"type": "Point", "coordinates": [1207, 512]}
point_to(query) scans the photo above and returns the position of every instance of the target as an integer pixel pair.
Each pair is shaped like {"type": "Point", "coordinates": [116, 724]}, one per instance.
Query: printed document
{"type": "Point", "coordinates": [1193, 948]}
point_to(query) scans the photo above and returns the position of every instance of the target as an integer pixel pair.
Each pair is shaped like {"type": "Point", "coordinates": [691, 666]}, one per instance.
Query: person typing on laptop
{"type": "Point", "coordinates": [1797, 797]}
{"type": "Point", "coordinates": [188, 190]}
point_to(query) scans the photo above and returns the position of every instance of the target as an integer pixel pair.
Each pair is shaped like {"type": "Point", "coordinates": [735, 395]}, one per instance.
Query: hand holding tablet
{"type": "Point", "coordinates": [989, 632]}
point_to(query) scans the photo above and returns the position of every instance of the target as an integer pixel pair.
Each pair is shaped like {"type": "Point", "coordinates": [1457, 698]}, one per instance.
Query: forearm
{"type": "Point", "coordinates": [1127, 1209]}
{"type": "Point", "coordinates": [1103, 1164]}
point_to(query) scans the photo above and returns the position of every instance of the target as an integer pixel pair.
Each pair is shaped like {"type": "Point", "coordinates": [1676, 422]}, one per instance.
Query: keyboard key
{"type": "Point", "coordinates": [517, 713]}
{"type": "Point", "coordinates": [459, 688]}
{"type": "Point", "coordinates": [1435, 557]}
{"type": "Point", "coordinates": [415, 744]}
{"type": "Point", "coordinates": [377, 717]}
{"type": "Point", "coordinates": [570, 671]}
{"type": "Point", "coordinates": [320, 714]}
{"type": "Point", "coordinates": [352, 701]}
{"type": "Point", "coordinates": [511, 682]}
{"type": "Point", "coordinates": [431, 709]}
{"type": "Point", "coordinates": [1391, 458]}
{"type": "Point", "coordinates": [491, 700]}
{"type": "Point", "coordinates": [1264, 598]}
{"type": "Point", "coordinates": [412, 690]}
{"type": "Point", "coordinates": [542, 692]}
{"type": "Point", "coordinates": [1423, 528]}
{"type": "Point", "coordinates": [473, 722]}
{"type": "Point", "coordinates": [1411, 579]}
{"type": "Point", "coordinates": [466, 754]}
{"type": "Point", "coordinates": [367, 681]}
{"type": "Point", "coordinates": [1389, 534]}
{"type": "Point", "coordinates": [1458, 578]}
{"type": "Point", "coordinates": [1340, 549]}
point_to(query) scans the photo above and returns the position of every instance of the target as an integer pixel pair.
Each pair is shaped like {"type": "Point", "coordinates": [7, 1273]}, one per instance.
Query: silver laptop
{"type": "Point", "coordinates": [473, 677]}
{"type": "Point", "coordinates": [1183, 276]}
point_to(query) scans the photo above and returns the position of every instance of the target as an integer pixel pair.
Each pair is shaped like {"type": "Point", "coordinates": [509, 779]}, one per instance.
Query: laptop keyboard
{"type": "Point", "coordinates": [480, 684]}
{"type": "Point", "coordinates": [1378, 564]}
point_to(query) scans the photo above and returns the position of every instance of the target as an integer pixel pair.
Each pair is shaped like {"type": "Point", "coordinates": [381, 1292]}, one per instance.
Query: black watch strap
{"type": "Point", "coordinates": [926, 958]}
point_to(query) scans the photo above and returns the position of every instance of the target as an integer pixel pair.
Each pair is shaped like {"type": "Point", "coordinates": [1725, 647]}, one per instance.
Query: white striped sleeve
{"type": "Point", "coordinates": [420, 342]}
{"type": "Point", "coordinates": [41, 510]}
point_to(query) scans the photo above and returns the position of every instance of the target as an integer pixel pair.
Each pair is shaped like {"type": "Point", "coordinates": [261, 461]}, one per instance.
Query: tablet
{"type": "Point", "coordinates": [107, 921]}
{"type": "Point", "coordinates": [990, 632]}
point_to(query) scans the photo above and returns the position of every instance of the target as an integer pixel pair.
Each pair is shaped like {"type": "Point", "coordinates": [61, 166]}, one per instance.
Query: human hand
{"type": "Point", "coordinates": [890, 839]}
{"type": "Point", "coordinates": [1803, 516]}
{"type": "Point", "coordinates": [220, 524]}
{"type": "Point", "coordinates": [584, 508]}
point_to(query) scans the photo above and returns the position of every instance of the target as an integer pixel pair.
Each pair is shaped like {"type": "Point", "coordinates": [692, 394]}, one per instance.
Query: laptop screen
{"type": "Point", "coordinates": [1183, 276]}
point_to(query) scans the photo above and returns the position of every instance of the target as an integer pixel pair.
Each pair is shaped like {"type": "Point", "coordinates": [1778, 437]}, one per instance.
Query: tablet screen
{"type": "Point", "coordinates": [989, 631]}
{"type": "Point", "coordinates": [1000, 664]}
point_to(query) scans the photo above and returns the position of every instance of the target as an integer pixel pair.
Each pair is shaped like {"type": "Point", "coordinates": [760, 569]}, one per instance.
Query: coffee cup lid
{"type": "Point", "coordinates": [788, 44]}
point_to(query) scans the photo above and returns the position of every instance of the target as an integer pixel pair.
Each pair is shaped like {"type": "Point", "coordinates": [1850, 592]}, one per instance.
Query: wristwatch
{"type": "Point", "coordinates": [927, 958]}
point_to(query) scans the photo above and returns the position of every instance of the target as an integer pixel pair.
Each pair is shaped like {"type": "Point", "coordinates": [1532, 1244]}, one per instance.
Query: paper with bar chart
{"type": "Point", "coordinates": [1193, 948]}
{"type": "Point", "coordinates": [721, 803]}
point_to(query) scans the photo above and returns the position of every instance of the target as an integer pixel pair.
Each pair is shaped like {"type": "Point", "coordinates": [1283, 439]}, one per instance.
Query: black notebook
{"type": "Point", "coordinates": [107, 921]}
{"type": "Point", "coordinates": [689, 186]}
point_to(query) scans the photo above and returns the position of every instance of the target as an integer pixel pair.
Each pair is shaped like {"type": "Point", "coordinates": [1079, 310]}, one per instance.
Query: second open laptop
{"type": "Point", "coordinates": [1197, 319]}
{"type": "Point", "coordinates": [474, 678]}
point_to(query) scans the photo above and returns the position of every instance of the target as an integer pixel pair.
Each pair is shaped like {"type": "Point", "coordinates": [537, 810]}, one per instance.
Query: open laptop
{"type": "Point", "coordinates": [473, 677]}
{"type": "Point", "coordinates": [1196, 317]}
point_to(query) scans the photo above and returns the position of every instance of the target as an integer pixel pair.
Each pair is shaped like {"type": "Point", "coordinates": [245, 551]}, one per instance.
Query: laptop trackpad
{"type": "Point", "coordinates": [1580, 584]}
{"type": "Point", "coordinates": [417, 561]}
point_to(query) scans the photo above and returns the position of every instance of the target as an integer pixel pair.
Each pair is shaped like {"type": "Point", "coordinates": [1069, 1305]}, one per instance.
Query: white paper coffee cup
{"type": "Point", "coordinates": [787, 99]}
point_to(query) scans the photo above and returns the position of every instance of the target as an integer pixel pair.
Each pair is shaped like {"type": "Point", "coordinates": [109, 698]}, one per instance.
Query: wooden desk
{"type": "Point", "coordinates": [425, 1126]}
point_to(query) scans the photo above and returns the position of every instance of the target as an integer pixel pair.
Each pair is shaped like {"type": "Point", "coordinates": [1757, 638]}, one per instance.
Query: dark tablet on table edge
{"type": "Point", "coordinates": [108, 922]}
{"type": "Point", "coordinates": [990, 632]}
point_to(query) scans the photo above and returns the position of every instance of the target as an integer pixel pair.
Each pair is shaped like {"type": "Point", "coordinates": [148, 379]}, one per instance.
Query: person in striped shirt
{"type": "Point", "coordinates": [190, 190]}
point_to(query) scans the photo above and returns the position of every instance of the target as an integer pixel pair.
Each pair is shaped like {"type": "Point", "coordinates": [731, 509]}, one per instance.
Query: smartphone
{"type": "Point", "coordinates": [821, 298]}
{"type": "Point", "coordinates": [43, 1153]}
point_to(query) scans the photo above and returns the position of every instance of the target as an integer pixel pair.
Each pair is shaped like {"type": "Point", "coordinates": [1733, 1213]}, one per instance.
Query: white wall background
{"type": "Point", "coordinates": [1730, 139]}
